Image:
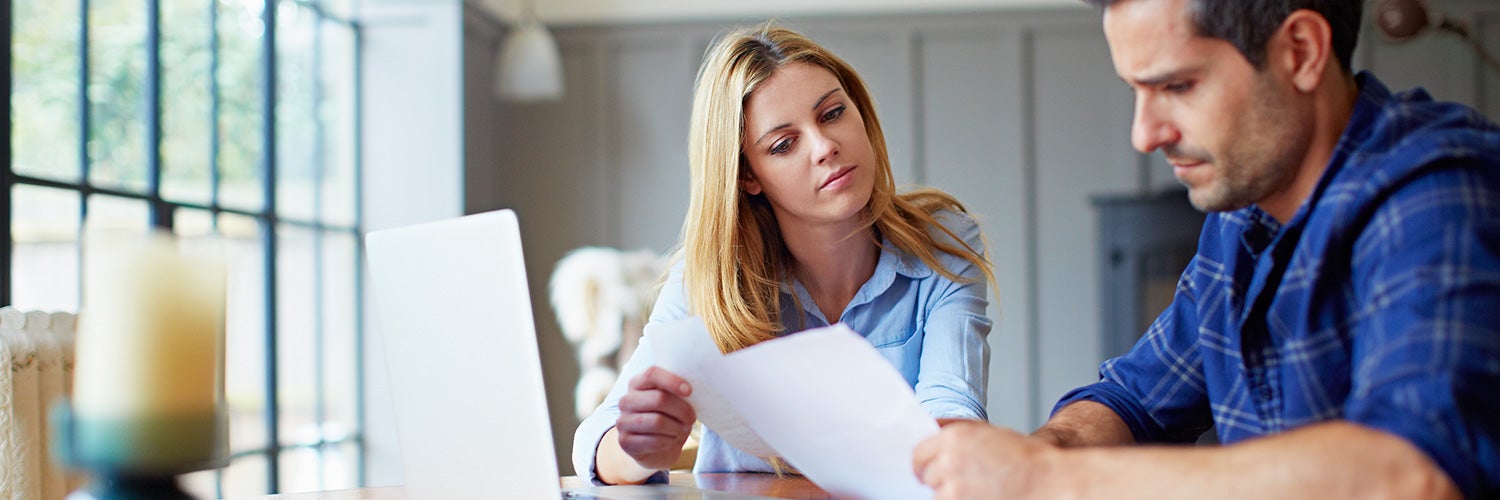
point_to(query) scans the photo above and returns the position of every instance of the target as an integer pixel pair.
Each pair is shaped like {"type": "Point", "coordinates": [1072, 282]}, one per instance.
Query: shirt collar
{"type": "Point", "coordinates": [904, 263]}
{"type": "Point", "coordinates": [892, 261]}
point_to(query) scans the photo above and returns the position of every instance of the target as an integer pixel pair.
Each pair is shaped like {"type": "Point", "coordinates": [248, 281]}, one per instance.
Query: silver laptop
{"type": "Point", "coordinates": [452, 304]}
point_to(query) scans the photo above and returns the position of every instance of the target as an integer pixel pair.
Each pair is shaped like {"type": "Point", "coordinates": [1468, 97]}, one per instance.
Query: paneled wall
{"type": "Point", "coordinates": [1018, 113]}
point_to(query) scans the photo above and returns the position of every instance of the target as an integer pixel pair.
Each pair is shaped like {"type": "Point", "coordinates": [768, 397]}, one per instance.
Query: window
{"type": "Point", "coordinates": [206, 117]}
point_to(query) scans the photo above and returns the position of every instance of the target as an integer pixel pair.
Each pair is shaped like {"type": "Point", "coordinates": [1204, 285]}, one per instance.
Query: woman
{"type": "Point", "coordinates": [794, 223]}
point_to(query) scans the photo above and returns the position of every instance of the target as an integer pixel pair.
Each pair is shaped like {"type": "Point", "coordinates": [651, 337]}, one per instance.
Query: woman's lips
{"type": "Point", "coordinates": [838, 179]}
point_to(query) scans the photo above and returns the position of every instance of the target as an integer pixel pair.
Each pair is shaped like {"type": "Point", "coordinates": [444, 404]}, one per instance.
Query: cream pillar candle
{"type": "Point", "coordinates": [148, 357]}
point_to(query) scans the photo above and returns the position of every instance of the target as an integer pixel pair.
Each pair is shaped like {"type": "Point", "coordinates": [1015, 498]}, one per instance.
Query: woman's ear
{"type": "Point", "coordinates": [750, 185]}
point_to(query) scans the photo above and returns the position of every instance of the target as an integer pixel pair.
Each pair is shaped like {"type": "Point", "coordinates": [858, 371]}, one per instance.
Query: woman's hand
{"type": "Point", "coordinates": [655, 419]}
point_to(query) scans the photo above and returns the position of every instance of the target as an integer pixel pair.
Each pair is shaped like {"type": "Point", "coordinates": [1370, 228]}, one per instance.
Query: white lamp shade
{"type": "Point", "coordinates": [529, 68]}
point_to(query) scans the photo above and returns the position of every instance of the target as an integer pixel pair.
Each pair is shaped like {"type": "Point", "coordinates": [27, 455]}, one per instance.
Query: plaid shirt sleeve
{"type": "Point", "coordinates": [1426, 352]}
{"type": "Point", "coordinates": [1158, 388]}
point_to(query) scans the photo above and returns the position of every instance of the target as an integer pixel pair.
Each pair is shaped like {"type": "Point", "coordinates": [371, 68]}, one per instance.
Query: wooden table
{"type": "Point", "coordinates": [766, 485]}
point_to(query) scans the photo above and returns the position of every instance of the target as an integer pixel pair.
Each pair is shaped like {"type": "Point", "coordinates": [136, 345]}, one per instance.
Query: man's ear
{"type": "Point", "coordinates": [1303, 48]}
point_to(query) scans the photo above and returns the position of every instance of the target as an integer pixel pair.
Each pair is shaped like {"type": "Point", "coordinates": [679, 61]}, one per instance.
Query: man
{"type": "Point", "coordinates": [1340, 324]}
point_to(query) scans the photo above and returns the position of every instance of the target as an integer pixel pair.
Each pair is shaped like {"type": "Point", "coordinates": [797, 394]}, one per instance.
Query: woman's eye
{"type": "Point", "coordinates": [833, 114]}
{"type": "Point", "coordinates": [781, 146]}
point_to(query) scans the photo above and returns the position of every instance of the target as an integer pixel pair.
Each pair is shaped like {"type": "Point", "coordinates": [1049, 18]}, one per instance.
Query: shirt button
{"type": "Point", "coordinates": [1265, 393]}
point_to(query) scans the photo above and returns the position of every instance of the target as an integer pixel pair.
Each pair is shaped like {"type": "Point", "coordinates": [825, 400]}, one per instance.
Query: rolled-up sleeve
{"type": "Point", "coordinates": [670, 306]}
{"type": "Point", "coordinates": [1427, 359]}
{"type": "Point", "coordinates": [954, 374]}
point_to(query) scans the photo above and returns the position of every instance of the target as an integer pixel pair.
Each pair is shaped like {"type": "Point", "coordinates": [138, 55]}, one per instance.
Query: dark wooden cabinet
{"type": "Point", "coordinates": [1146, 241]}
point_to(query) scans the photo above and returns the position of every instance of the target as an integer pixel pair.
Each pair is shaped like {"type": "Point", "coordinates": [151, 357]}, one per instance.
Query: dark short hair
{"type": "Point", "coordinates": [1249, 24]}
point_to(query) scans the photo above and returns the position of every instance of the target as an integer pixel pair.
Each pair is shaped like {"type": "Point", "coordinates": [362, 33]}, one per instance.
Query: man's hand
{"type": "Point", "coordinates": [969, 459]}
{"type": "Point", "coordinates": [655, 420]}
{"type": "Point", "coordinates": [1334, 459]}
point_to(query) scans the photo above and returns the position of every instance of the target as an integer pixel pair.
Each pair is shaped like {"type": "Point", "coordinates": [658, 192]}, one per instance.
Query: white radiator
{"type": "Point", "coordinates": [38, 347]}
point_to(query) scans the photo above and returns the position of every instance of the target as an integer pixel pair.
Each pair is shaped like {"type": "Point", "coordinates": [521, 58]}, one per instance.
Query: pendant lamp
{"type": "Point", "coordinates": [528, 68]}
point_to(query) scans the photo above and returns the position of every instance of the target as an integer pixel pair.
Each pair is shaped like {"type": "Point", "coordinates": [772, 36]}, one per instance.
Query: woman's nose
{"type": "Point", "coordinates": [825, 148]}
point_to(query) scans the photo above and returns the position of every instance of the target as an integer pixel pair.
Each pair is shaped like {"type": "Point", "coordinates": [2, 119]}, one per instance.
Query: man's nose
{"type": "Point", "coordinates": [1150, 130]}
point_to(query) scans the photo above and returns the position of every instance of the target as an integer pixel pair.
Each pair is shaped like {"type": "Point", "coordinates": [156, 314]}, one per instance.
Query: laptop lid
{"type": "Point", "coordinates": [454, 310]}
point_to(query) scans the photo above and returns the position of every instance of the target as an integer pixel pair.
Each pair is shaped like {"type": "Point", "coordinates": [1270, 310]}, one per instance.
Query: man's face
{"type": "Point", "coordinates": [1232, 134]}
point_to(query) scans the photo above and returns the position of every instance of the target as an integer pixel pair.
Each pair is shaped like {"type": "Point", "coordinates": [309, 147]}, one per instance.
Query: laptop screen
{"type": "Point", "coordinates": [454, 312]}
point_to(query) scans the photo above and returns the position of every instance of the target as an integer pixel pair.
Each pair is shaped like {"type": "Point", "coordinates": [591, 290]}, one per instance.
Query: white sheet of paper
{"type": "Point", "coordinates": [683, 347]}
{"type": "Point", "coordinates": [843, 416]}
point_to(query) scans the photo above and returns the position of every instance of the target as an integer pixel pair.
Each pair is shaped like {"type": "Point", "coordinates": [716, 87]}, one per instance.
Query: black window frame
{"type": "Point", "coordinates": [161, 209]}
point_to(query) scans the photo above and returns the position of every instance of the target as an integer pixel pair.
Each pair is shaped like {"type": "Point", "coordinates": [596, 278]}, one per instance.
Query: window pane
{"type": "Point", "coordinates": [240, 117]}
{"type": "Point", "coordinates": [201, 484]}
{"type": "Point", "coordinates": [245, 333]}
{"type": "Point", "coordinates": [337, 114]}
{"type": "Point", "coordinates": [195, 236]}
{"type": "Point", "coordinates": [245, 477]}
{"type": "Point", "coordinates": [44, 93]}
{"type": "Point", "coordinates": [341, 8]}
{"type": "Point", "coordinates": [339, 369]}
{"type": "Point", "coordinates": [44, 226]}
{"type": "Point", "coordinates": [116, 67]}
{"type": "Point", "coordinates": [186, 104]}
{"type": "Point", "coordinates": [296, 341]}
{"type": "Point", "coordinates": [113, 212]}
{"type": "Point", "coordinates": [341, 466]}
{"type": "Point", "coordinates": [296, 117]}
{"type": "Point", "coordinates": [300, 470]}
{"type": "Point", "coordinates": [191, 222]}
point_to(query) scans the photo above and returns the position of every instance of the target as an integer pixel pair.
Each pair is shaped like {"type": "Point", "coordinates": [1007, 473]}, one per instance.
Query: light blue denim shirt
{"type": "Point", "coordinates": [931, 328]}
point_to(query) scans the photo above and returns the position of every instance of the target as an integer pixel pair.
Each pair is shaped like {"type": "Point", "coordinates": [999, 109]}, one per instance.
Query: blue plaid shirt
{"type": "Point", "coordinates": [1378, 303]}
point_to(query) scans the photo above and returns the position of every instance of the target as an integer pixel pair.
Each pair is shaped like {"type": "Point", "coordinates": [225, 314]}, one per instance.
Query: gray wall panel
{"type": "Point", "coordinates": [1437, 61]}
{"type": "Point", "coordinates": [483, 151]}
{"type": "Point", "coordinates": [1489, 31]}
{"type": "Point", "coordinates": [971, 132]}
{"type": "Point", "coordinates": [552, 176]}
{"type": "Point", "coordinates": [647, 121]}
{"type": "Point", "coordinates": [1081, 109]}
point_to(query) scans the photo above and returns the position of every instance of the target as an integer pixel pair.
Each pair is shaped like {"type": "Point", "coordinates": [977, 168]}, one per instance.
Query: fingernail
{"type": "Point", "coordinates": [683, 388]}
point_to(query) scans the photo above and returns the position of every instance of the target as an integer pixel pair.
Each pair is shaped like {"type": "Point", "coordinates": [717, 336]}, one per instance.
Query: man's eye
{"type": "Point", "coordinates": [1177, 87]}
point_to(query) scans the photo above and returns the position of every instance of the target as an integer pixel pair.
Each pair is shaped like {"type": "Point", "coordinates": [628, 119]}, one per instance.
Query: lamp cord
{"type": "Point", "coordinates": [1463, 32]}
{"type": "Point", "coordinates": [528, 11]}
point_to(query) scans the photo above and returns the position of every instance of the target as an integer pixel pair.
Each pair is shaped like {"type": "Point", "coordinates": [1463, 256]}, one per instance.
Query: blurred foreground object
{"type": "Point", "coordinates": [38, 348]}
{"type": "Point", "coordinates": [148, 389]}
{"type": "Point", "coordinates": [603, 297]}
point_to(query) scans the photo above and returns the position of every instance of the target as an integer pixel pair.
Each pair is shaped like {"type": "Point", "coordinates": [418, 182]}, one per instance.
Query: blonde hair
{"type": "Point", "coordinates": [734, 258]}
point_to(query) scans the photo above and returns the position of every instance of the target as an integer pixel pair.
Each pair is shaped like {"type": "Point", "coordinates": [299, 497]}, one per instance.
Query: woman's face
{"type": "Point", "coordinates": [806, 145]}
